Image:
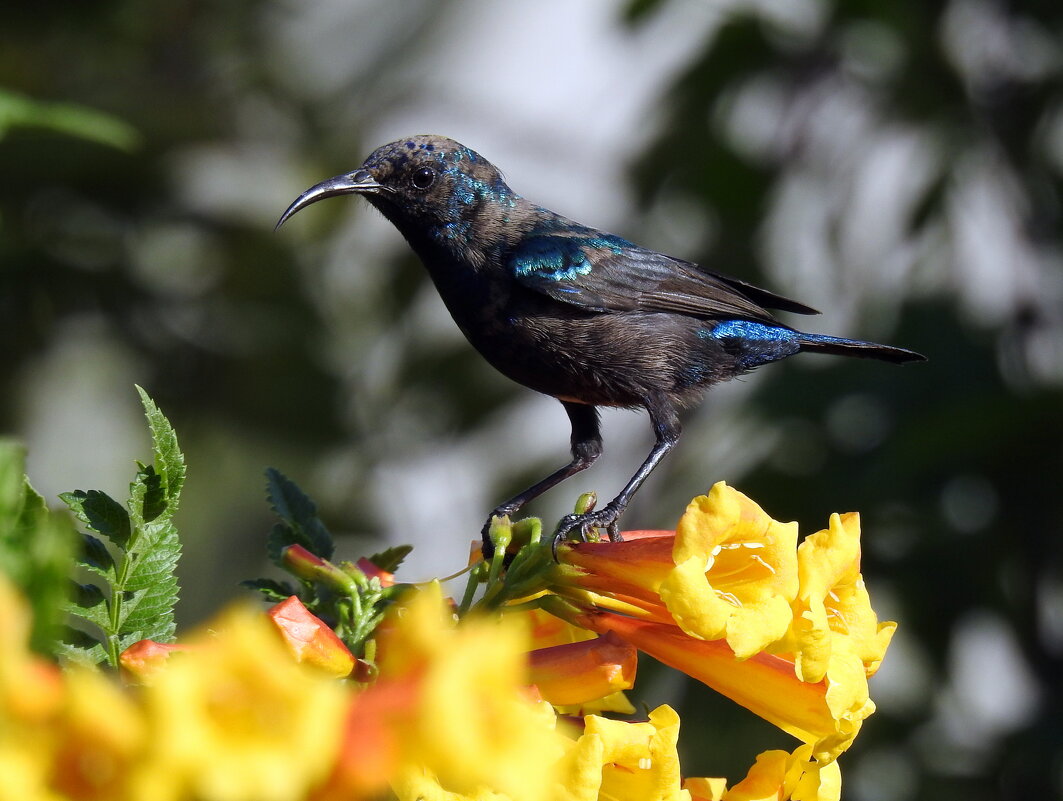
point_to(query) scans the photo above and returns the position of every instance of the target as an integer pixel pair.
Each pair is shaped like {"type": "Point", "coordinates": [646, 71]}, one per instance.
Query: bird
{"type": "Point", "coordinates": [573, 312]}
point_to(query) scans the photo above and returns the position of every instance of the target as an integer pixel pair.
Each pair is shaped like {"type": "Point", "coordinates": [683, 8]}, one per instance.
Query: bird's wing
{"type": "Point", "coordinates": [603, 273]}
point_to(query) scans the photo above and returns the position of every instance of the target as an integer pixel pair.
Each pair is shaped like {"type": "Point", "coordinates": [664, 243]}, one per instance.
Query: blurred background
{"type": "Point", "coordinates": [897, 165]}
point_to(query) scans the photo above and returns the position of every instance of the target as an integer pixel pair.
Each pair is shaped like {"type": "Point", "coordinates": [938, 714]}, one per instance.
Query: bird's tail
{"type": "Point", "coordinates": [839, 346]}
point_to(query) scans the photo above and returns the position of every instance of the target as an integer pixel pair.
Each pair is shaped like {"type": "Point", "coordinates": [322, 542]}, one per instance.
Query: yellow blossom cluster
{"type": "Point", "coordinates": [499, 707]}
{"type": "Point", "coordinates": [732, 599]}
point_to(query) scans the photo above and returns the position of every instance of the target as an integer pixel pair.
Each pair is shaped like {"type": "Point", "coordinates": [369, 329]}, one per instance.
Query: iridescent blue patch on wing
{"type": "Point", "coordinates": [563, 258]}
{"type": "Point", "coordinates": [556, 258]}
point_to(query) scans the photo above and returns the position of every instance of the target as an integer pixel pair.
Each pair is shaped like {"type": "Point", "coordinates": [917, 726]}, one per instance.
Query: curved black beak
{"type": "Point", "coordinates": [357, 182]}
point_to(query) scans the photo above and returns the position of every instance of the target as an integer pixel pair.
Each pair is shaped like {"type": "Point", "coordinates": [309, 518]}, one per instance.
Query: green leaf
{"type": "Point", "coordinates": [272, 590]}
{"type": "Point", "coordinates": [36, 548]}
{"type": "Point", "coordinates": [169, 461]}
{"type": "Point", "coordinates": [147, 495]}
{"type": "Point", "coordinates": [141, 588]}
{"type": "Point", "coordinates": [391, 558]}
{"type": "Point", "coordinates": [67, 118]}
{"type": "Point", "coordinates": [12, 464]}
{"type": "Point", "coordinates": [96, 557]}
{"type": "Point", "coordinates": [100, 512]}
{"type": "Point", "coordinates": [88, 602]}
{"type": "Point", "coordinates": [79, 647]}
{"type": "Point", "coordinates": [299, 516]}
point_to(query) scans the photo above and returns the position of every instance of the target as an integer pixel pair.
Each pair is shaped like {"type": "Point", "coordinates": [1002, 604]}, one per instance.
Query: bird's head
{"type": "Point", "coordinates": [430, 187]}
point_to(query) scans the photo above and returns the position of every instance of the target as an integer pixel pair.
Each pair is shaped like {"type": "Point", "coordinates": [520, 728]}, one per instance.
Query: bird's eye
{"type": "Point", "coordinates": [423, 178]}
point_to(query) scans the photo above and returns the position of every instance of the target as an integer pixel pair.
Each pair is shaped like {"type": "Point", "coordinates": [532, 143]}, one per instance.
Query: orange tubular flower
{"type": "Point", "coordinates": [310, 639]}
{"type": "Point", "coordinates": [580, 672]}
{"type": "Point", "coordinates": [764, 684]}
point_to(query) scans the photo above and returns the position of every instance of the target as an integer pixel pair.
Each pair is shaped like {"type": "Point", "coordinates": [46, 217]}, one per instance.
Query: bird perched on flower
{"type": "Point", "coordinates": [571, 311]}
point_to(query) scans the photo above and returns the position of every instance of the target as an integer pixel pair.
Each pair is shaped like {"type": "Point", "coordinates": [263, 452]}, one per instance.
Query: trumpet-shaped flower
{"type": "Point", "coordinates": [598, 674]}
{"type": "Point", "coordinates": [237, 718]}
{"type": "Point", "coordinates": [450, 709]}
{"type": "Point", "coordinates": [735, 572]}
{"type": "Point", "coordinates": [764, 684]}
{"type": "Point", "coordinates": [833, 622]}
{"type": "Point", "coordinates": [624, 761]}
{"type": "Point", "coordinates": [578, 673]}
{"type": "Point", "coordinates": [94, 753]}
{"type": "Point", "coordinates": [776, 775]}
{"type": "Point", "coordinates": [729, 571]}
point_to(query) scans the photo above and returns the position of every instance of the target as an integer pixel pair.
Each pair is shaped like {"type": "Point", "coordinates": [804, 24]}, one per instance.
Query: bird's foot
{"type": "Point", "coordinates": [579, 527]}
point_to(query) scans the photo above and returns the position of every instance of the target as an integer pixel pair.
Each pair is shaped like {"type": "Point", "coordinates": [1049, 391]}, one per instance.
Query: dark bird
{"type": "Point", "coordinates": [571, 311]}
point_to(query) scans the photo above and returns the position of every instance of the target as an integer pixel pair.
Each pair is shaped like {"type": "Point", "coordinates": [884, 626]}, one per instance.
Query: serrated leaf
{"type": "Point", "coordinates": [101, 513]}
{"type": "Point", "coordinates": [296, 509]}
{"type": "Point", "coordinates": [271, 589]}
{"type": "Point", "coordinates": [142, 585]}
{"type": "Point", "coordinates": [147, 496]}
{"type": "Point", "coordinates": [78, 647]}
{"type": "Point", "coordinates": [153, 584]}
{"type": "Point", "coordinates": [88, 601]}
{"type": "Point", "coordinates": [169, 461]}
{"type": "Point", "coordinates": [96, 557]}
{"type": "Point", "coordinates": [391, 558]}
{"type": "Point", "coordinates": [280, 537]}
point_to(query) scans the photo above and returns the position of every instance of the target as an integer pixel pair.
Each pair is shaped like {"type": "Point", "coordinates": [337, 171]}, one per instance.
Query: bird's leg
{"type": "Point", "coordinates": [667, 429]}
{"type": "Point", "coordinates": [586, 448]}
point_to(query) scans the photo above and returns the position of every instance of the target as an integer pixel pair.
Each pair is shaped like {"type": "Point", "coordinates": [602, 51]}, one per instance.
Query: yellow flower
{"type": "Point", "coordinates": [775, 776]}
{"type": "Point", "coordinates": [98, 738]}
{"type": "Point", "coordinates": [728, 571]}
{"type": "Point", "coordinates": [833, 619]}
{"type": "Point", "coordinates": [472, 724]}
{"type": "Point", "coordinates": [624, 761]}
{"type": "Point", "coordinates": [30, 688]}
{"type": "Point", "coordinates": [31, 699]}
{"type": "Point", "coordinates": [735, 572]}
{"type": "Point", "coordinates": [236, 718]}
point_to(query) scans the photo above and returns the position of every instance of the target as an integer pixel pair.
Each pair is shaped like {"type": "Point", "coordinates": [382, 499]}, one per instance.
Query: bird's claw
{"type": "Point", "coordinates": [579, 527]}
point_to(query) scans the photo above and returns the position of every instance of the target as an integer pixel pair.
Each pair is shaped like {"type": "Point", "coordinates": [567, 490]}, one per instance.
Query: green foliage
{"type": "Point", "coordinates": [390, 558]}
{"type": "Point", "coordinates": [299, 523]}
{"type": "Point", "coordinates": [348, 597]}
{"type": "Point", "coordinates": [66, 118]}
{"type": "Point", "coordinates": [139, 587]}
{"type": "Point", "coordinates": [36, 547]}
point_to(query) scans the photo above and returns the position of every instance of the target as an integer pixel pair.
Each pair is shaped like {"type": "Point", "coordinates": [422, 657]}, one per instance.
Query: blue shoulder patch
{"type": "Point", "coordinates": [563, 258]}
{"type": "Point", "coordinates": [556, 258]}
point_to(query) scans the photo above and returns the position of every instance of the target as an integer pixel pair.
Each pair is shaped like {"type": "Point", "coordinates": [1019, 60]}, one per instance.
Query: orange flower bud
{"type": "Point", "coordinates": [309, 639]}
{"type": "Point", "coordinates": [142, 660]}
{"type": "Point", "coordinates": [311, 567]}
{"type": "Point", "coordinates": [372, 571]}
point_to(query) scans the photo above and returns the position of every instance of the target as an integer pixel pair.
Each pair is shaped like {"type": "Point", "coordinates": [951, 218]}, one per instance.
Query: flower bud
{"type": "Point", "coordinates": [309, 639]}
